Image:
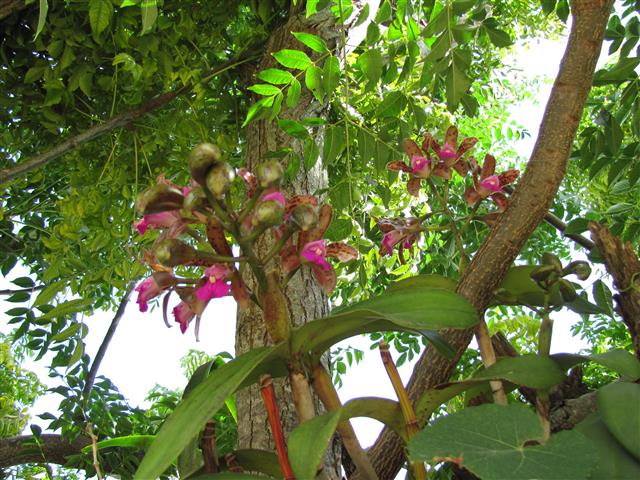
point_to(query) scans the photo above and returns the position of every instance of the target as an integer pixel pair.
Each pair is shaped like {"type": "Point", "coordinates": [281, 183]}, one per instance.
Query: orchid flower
{"type": "Point", "coordinates": [151, 287]}
{"type": "Point", "coordinates": [400, 231]}
{"type": "Point", "coordinates": [487, 184]}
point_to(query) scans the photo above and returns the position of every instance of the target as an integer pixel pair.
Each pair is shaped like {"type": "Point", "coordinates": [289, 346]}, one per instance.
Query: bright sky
{"type": "Point", "coordinates": [144, 352]}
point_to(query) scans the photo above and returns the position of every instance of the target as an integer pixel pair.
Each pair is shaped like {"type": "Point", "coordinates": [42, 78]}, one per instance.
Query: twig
{"type": "Point", "coordinates": [93, 371]}
{"type": "Point", "coordinates": [118, 121]}
{"type": "Point", "coordinates": [488, 355]}
{"type": "Point", "coordinates": [20, 290]}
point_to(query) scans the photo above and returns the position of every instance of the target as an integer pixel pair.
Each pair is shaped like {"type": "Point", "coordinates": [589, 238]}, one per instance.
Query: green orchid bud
{"type": "Point", "coordinates": [219, 179]}
{"type": "Point", "coordinates": [551, 259]}
{"type": "Point", "coordinates": [195, 200]}
{"type": "Point", "coordinates": [567, 290]}
{"type": "Point", "coordinates": [543, 273]}
{"type": "Point", "coordinates": [304, 217]}
{"type": "Point", "coordinates": [172, 252]}
{"type": "Point", "coordinates": [269, 213]}
{"type": "Point", "coordinates": [269, 173]}
{"type": "Point", "coordinates": [159, 198]}
{"type": "Point", "coordinates": [579, 268]}
{"type": "Point", "coordinates": [201, 159]}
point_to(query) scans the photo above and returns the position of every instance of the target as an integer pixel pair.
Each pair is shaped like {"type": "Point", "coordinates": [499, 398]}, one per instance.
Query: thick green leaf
{"type": "Point", "coordinates": [67, 333]}
{"type": "Point", "coordinates": [603, 296]}
{"type": "Point", "coordinates": [100, 12]}
{"type": "Point", "coordinates": [293, 59]}
{"type": "Point", "coordinates": [620, 72]}
{"type": "Point", "coordinates": [190, 416]}
{"type": "Point", "coordinates": [371, 64]}
{"type": "Point", "coordinates": [527, 370]}
{"type": "Point", "coordinates": [293, 128]}
{"type": "Point", "coordinates": [24, 282]}
{"type": "Point", "coordinates": [410, 309]}
{"type": "Point", "coordinates": [383, 410]}
{"type": "Point", "coordinates": [490, 441]}
{"type": "Point", "coordinates": [615, 463]}
{"type": "Point", "coordinates": [457, 83]}
{"type": "Point", "coordinates": [149, 10]}
{"type": "Point", "coordinates": [67, 308]}
{"type": "Point", "coordinates": [619, 406]}
{"type": "Point", "coordinates": [576, 226]}
{"type": "Point", "coordinates": [141, 442]}
{"type": "Point", "coordinates": [263, 461]}
{"type": "Point", "coordinates": [276, 76]}
{"type": "Point", "coordinates": [48, 294]}
{"type": "Point", "coordinates": [498, 37]}
{"type": "Point", "coordinates": [392, 105]}
{"type": "Point", "coordinates": [314, 42]}
{"type": "Point", "coordinates": [265, 89]}
{"type": "Point", "coordinates": [330, 74]}
{"type": "Point", "coordinates": [308, 442]}
{"type": "Point", "coordinates": [618, 360]}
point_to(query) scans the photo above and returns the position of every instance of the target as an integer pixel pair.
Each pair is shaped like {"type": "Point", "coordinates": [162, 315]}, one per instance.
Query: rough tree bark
{"type": "Point", "coordinates": [306, 300]}
{"type": "Point", "coordinates": [623, 265]}
{"type": "Point", "coordinates": [53, 449]}
{"type": "Point", "coordinates": [528, 206]}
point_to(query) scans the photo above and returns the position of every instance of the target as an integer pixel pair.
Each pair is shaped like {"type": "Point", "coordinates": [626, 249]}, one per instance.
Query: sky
{"type": "Point", "coordinates": [144, 352]}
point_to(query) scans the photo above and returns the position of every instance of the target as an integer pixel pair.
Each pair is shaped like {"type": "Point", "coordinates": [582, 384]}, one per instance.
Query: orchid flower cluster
{"type": "Point", "coordinates": [430, 159]}
{"type": "Point", "coordinates": [201, 223]}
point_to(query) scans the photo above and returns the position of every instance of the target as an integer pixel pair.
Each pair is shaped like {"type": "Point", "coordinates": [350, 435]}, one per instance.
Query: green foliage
{"type": "Point", "coordinates": [494, 441]}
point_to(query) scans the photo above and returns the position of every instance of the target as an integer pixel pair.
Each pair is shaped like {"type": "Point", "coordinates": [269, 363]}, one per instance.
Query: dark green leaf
{"type": "Point", "coordinates": [614, 461]}
{"type": "Point", "coordinates": [384, 12]}
{"type": "Point", "coordinates": [42, 17]}
{"type": "Point", "coordinates": [576, 226]}
{"type": "Point", "coordinates": [623, 423]}
{"type": "Point", "coordinates": [311, 154]}
{"type": "Point", "coordinates": [371, 64]}
{"type": "Point", "coordinates": [392, 104]}
{"type": "Point", "coordinates": [100, 12]}
{"type": "Point", "coordinates": [330, 75]}
{"type": "Point", "coordinates": [491, 441]}
{"type": "Point", "coordinates": [24, 282]}
{"type": "Point", "coordinates": [308, 442]}
{"type": "Point", "coordinates": [498, 37]}
{"type": "Point", "coordinates": [149, 10]}
{"type": "Point", "coordinates": [67, 308]}
{"type": "Point", "coordinates": [457, 83]}
{"type": "Point", "coordinates": [381, 409]}
{"type": "Point", "coordinates": [203, 401]}
{"type": "Point", "coordinates": [141, 442]}
{"type": "Point", "coordinates": [603, 297]}
{"type": "Point", "coordinates": [334, 144]}
{"type": "Point", "coordinates": [293, 128]}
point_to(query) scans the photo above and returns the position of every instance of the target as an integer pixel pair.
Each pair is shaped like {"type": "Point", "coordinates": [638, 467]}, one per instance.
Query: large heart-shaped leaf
{"type": "Point", "coordinates": [619, 407]}
{"type": "Point", "coordinates": [491, 441]}
{"type": "Point", "coordinates": [308, 441]}
{"type": "Point", "coordinates": [615, 462]}
{"type": "Point", "coordinates": [404, 309]}
{"type": "Point", "coordinates": [203, 401]}
{"type": "Point", "coordinates": [528, 370]}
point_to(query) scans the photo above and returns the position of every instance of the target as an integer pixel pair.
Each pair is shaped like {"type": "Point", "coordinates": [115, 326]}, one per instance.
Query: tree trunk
{"type": "Point", "coordinates": [529, 204]}
{"type": "Point", "coordinates": [306, 300]}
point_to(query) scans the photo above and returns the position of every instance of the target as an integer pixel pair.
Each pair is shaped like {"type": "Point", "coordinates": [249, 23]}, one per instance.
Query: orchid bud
{"type": "Point", "coordinates": [194, 200]}
{"type": "Point", "coordinates": [172, 252]}
{"type": "Point", "coordinates": [219, 179]}
{"type": "Point", "coordinates": [201, 159]}
{"type": "Point", "coordinates": [551, 259]}
{"type": "Point", "coordinates": [579, 268]}
{"type": "Point", "coordinates": [159, 198]}
{"type": "Point", "coordinates": [567, 290]}
{"type": "Point", "coordinates": [269, 213]}
{"type": "Point", "coordinates": [269, 173]}
{"type": "Point", "coordinates": [304, 216]}
{"type": "Point", "coordinates": [543, 273]}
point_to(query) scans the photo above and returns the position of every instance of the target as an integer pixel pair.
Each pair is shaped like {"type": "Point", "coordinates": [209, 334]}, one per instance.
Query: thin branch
{"type": "Point", "coordinates": [20, 290]}
{"type": "Point", "coordinates": [527, 209]}
{"type": "Point", "coordinates": [7, 7]}
{"type": "Point", "coordinates": [556, 222]}
{"type": "Point", "coordinates": [93, 371]}
{"type": "Point", "coordinates": [118, 121]}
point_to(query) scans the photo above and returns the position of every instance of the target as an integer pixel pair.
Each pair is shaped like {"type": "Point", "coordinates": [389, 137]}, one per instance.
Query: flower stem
{"type": "Point", "coordinates": [302, 398]}
{"type": "Point", "coordinates": [328, 395]}
{"type": "Point", "coordinates": [488, 355]}
{"type": "Point", "coordinates": [409, 414]}
{"type": "Point", "coordinates": [273, 413]}
{"type": "Point", "coordinates": [248, 207]}
{"type": "Point", "coordinates": [544, 348]}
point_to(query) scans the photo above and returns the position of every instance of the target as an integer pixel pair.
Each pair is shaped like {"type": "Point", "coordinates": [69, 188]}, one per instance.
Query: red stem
{"type": "Point", "coordinates": [273, 413]}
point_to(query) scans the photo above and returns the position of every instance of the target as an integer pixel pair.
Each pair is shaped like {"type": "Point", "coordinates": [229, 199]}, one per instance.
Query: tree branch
{"type": "Point", "coordinates": [7, 7]}
{"type": "Point", "coordinates": [117, 121]}
{"type": "Point", "coordinates": [52, 448]}
{"type": "Point", "coordinates": [527, 209]}
{"type": "Point", "coordinates": [623, 265]}
{"type": "Point", "coordinates": [20, 290]}
{"type": "Point", "coordinates": [95, 366]}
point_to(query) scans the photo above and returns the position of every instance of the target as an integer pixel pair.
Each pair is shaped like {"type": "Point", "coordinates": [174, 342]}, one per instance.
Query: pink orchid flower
{"type": "Point", "coordinates": [315, 252]}
{"type": "Point", "coordinates": [487, 184]}
{"type": "Point", "coordinates": [157, 220]}
{"type": "Point", "coordinates": [275, 197]}
{"type": "Point", "coordinates": [151, 287]}
{"type": "Point", "coordinates": [216, 285]}
{"type": "Point", "coordinates": [183, 315]}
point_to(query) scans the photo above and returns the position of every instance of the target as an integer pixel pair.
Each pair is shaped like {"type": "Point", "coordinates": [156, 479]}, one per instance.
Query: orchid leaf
{"type": "Point", "coordinates": [308, 442]}
{"type": "Point", "coordinates": [140, 442]}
